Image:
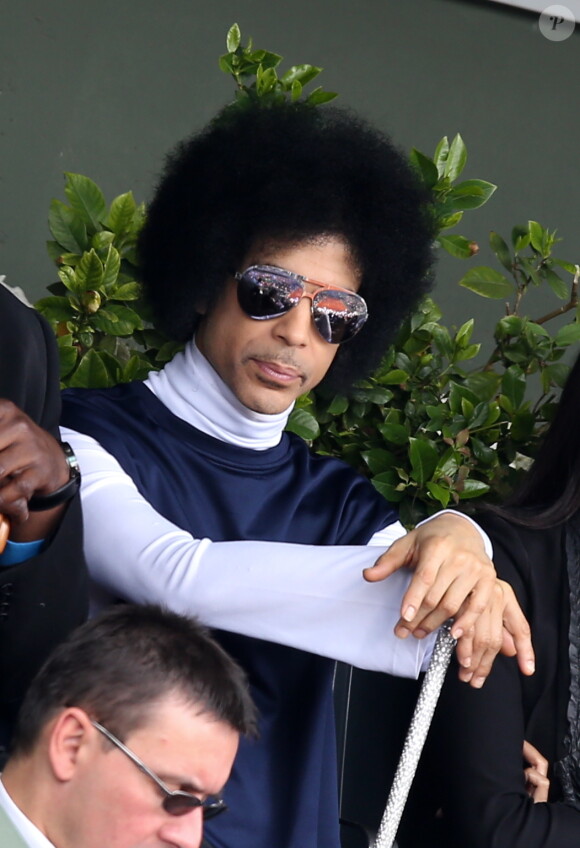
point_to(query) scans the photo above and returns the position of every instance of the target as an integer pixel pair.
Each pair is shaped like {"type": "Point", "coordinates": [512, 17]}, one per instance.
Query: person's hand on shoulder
{"type": "Point", "coordinates": [454, 578]}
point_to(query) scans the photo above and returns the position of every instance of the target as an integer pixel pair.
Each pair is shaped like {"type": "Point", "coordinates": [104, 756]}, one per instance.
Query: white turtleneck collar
{"type": "Point", "coordinates": [190, 388]}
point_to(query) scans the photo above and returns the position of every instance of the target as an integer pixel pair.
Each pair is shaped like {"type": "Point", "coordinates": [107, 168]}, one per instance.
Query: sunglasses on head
{"type": "Point", "coordinates": [175, 802]}
{"type": "Point", "coordinates": [265, 291]}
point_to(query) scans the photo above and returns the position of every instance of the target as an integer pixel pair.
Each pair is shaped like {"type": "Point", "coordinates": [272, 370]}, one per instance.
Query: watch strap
{"type": "Point", "coordinates": [39, 503]}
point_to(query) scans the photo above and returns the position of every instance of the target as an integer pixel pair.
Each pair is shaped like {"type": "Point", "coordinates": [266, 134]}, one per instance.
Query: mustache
{"type": "Point", "coordinates": [281, 358]}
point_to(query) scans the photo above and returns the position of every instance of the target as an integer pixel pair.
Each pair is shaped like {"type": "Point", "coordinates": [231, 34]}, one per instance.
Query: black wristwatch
{"type": "Point", "coordinates": [39, 503]}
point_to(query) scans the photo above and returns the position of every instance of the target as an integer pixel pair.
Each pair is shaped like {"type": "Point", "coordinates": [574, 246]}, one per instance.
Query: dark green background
{"type": "Point", "coordinates": [105, 89]}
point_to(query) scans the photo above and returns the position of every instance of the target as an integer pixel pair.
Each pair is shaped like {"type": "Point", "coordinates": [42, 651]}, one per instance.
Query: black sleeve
{"type": "Point", "coordinates": [43, 598]}
{"type": "Point", "coordinates": [474, 754]}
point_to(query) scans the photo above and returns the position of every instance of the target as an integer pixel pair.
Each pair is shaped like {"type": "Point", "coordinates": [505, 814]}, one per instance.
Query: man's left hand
{"type": "Point", "coordinates": [454, 577]}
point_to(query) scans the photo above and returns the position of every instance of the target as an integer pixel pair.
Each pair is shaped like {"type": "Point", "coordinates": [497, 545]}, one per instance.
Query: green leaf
{"type": "Point", "coordinates": [483, 384]}
{"type": "Point", "coordinates": [557, 373]}
{"type": "Point", "coordinates": [463, 334]}
{"type": "Point", "coordinates": [122, 213]}
{"type": "Point", "coordinates": [539, 238]}
{"type": "Point", "coordinates": [501, 250]}
{"type": "Point", "coordinates": [395, 433]}
{"type": "Point", "coordinates": [296, 90]}
{"type": "Point", "coordinates": [448, 221]}
{"type": "Point", "coordinates": [458, 393]}
{"type": "Point", "coordinates": [482, 452]}
{"type": "Point", "coordinates": [317, 97]}
{"type": "Point", "coordinates": [86, 198]}
{"type": "Point", "coordinates": [567, 335]}
{"type": "Point", "coordinates": [68, 355]}
{"type": "Point", "coordinates": [513, 385]}
{"type": "Point", "coordinates": [265, 81]}
{"type": "Point", "coordinates": [567, 266]}
{"type": "Point", "coordinates": [167, 351]}
{"type": "Point", "coordinates": [378, 460]}
{"type": "Point", "coordinates": [67, 227]}
{"type": "Point", "coordinates": [557, 284]}
{"type": "Point", "coordinates": [520, 238]}
{"type": "Point", "coordinates": [389, 486]}
{"type": "Point", "coordinates": [303, 423]}
{"type": "Point", "coordinates": [268, 59]}
{"type": "Point", "coordinates": [68, 277]}
{"type": "Point", "coordinates": [117, 320]}
{"type": "Point", "coordinates": [89, 271]}
{"type": "Point", "coordinates": [226, 64]}
{"type": "Point", "coordinates": [424, 458]}
{"type": "Point", "coordinates": [394, 377]}
{"type": "Point", "coordinates": [101, 240]}
{"type": "Point", "coordinates": [426, 168]}
{"type": "Point", "coordinates": [55, 309]}
{"type": "Point", "coordinates": [111, 268]}
{"type": "Point", "coordinates": [91, 373]}
{"type": "Point", "coordinates": [443, 340]}
{"type": "Point", "coordinates": [468, 352]}
{"type": "Point", "coordinates": [470, 194]}
{"type": "Point", "coordinates": [509, 325]}
{"type": "Point", "coordinates": [456, 158]}
{"type": "Point", "coordinates": [457, 246]}
{"type": "Point", "coordinates": [338, 405]}
{"type": "Point", "coordinates": [233, 38]}
{"type": "Point", "coordinates": [302, 73]}
{"type": "Point", "coordinates": [128, 291]}
{"type": "Point", "coordinates": [441, 154]}
{"type": "Point", "coordinates": [439, 493]}
{"type": "Point", "coordinates": [473, 489]}
{"type": "Point", "coordinates": [487, 282]}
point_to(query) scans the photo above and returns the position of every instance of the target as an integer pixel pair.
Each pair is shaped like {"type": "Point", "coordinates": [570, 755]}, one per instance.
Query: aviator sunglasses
{"type": "Point", "coordinates": [265, 291]}
{"type": "Point", "coordinates": [176, 802]}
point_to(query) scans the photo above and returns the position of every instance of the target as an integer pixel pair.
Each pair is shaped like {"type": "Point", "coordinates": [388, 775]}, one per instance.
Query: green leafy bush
{"type": "Point", "coordinates": [430, 428]}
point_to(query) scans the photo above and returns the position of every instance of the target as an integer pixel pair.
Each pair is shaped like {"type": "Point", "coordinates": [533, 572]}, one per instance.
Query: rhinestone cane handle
{"type": "Point", "coordinates": [416, 735]}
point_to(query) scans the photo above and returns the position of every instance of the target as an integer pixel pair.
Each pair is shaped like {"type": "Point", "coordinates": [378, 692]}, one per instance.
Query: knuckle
{"type": "Point", "coordinates": [483, 641]}
{"type": "Point", "coordinates": [430, 601]}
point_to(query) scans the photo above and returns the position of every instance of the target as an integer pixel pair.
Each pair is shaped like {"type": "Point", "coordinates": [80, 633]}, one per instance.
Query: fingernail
{"type": "Point", "coordinates": [531, 665]}
{"type": "Point", "coordinates": [420, 634]}
{"type": "Point", "coordinates": [466, 677]}
{"type": "Point", "coordinates": [478, 682]}
{"type": "Point", "coordinates": [409, 613]}
{"type": "Point", "coordinates": [457, 633]}
{"type": "Point", "coordinates": [466, 662]}
{"type": "Point", "coordinates": [401, 632]}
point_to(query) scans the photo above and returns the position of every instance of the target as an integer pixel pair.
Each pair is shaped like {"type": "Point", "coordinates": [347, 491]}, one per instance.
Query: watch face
{"type": "Point", "coordinates": [73, 462]}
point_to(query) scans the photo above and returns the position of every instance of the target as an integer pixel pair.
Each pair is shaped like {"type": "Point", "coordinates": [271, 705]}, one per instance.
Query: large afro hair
{"type": "Point", "coordinates": [288, 173]}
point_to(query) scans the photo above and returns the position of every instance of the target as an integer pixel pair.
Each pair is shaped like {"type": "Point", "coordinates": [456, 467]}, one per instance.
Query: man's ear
{"type": "Point", "coordinates": [70, 737]}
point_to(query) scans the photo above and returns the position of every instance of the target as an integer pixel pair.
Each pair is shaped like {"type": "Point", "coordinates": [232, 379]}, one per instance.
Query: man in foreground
{"type": "Point", "coordinates": [126, 737]}
{"type": "Point", "coordinates": [284, 246]}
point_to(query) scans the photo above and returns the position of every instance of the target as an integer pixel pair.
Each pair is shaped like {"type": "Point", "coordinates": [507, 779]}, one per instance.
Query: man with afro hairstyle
{"type": "Point", "coordinates": [283, 246]}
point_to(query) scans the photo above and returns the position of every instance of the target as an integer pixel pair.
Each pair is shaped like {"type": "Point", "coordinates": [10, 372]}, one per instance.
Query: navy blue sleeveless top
{"type": "Point", "coordinates": [283, 790]}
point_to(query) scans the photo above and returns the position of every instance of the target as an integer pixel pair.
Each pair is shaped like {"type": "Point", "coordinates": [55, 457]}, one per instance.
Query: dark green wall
{"type": "Point", "coordinates": [106, 88]}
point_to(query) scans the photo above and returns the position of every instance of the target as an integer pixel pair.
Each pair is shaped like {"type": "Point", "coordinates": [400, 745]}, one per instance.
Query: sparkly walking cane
{"type": "Point", "coordinates": [416, 735]}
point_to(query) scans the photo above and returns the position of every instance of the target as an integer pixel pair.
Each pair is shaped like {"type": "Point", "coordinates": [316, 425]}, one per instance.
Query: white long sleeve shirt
{"type": "Point", "coordinates": [304, 596]}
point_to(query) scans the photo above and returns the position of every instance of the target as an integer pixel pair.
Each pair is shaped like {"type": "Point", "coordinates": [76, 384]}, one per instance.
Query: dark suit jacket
{"type": "Point", "coordinates": [472, 767]}
{"type": "Point", "coordinates": [44, 598]}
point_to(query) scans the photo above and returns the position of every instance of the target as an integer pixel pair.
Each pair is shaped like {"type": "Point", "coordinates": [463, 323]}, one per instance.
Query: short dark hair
{"type": "Point", "coordinates": [119, 664]}
{"type": "Point", "coordinates": [287, 174]}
